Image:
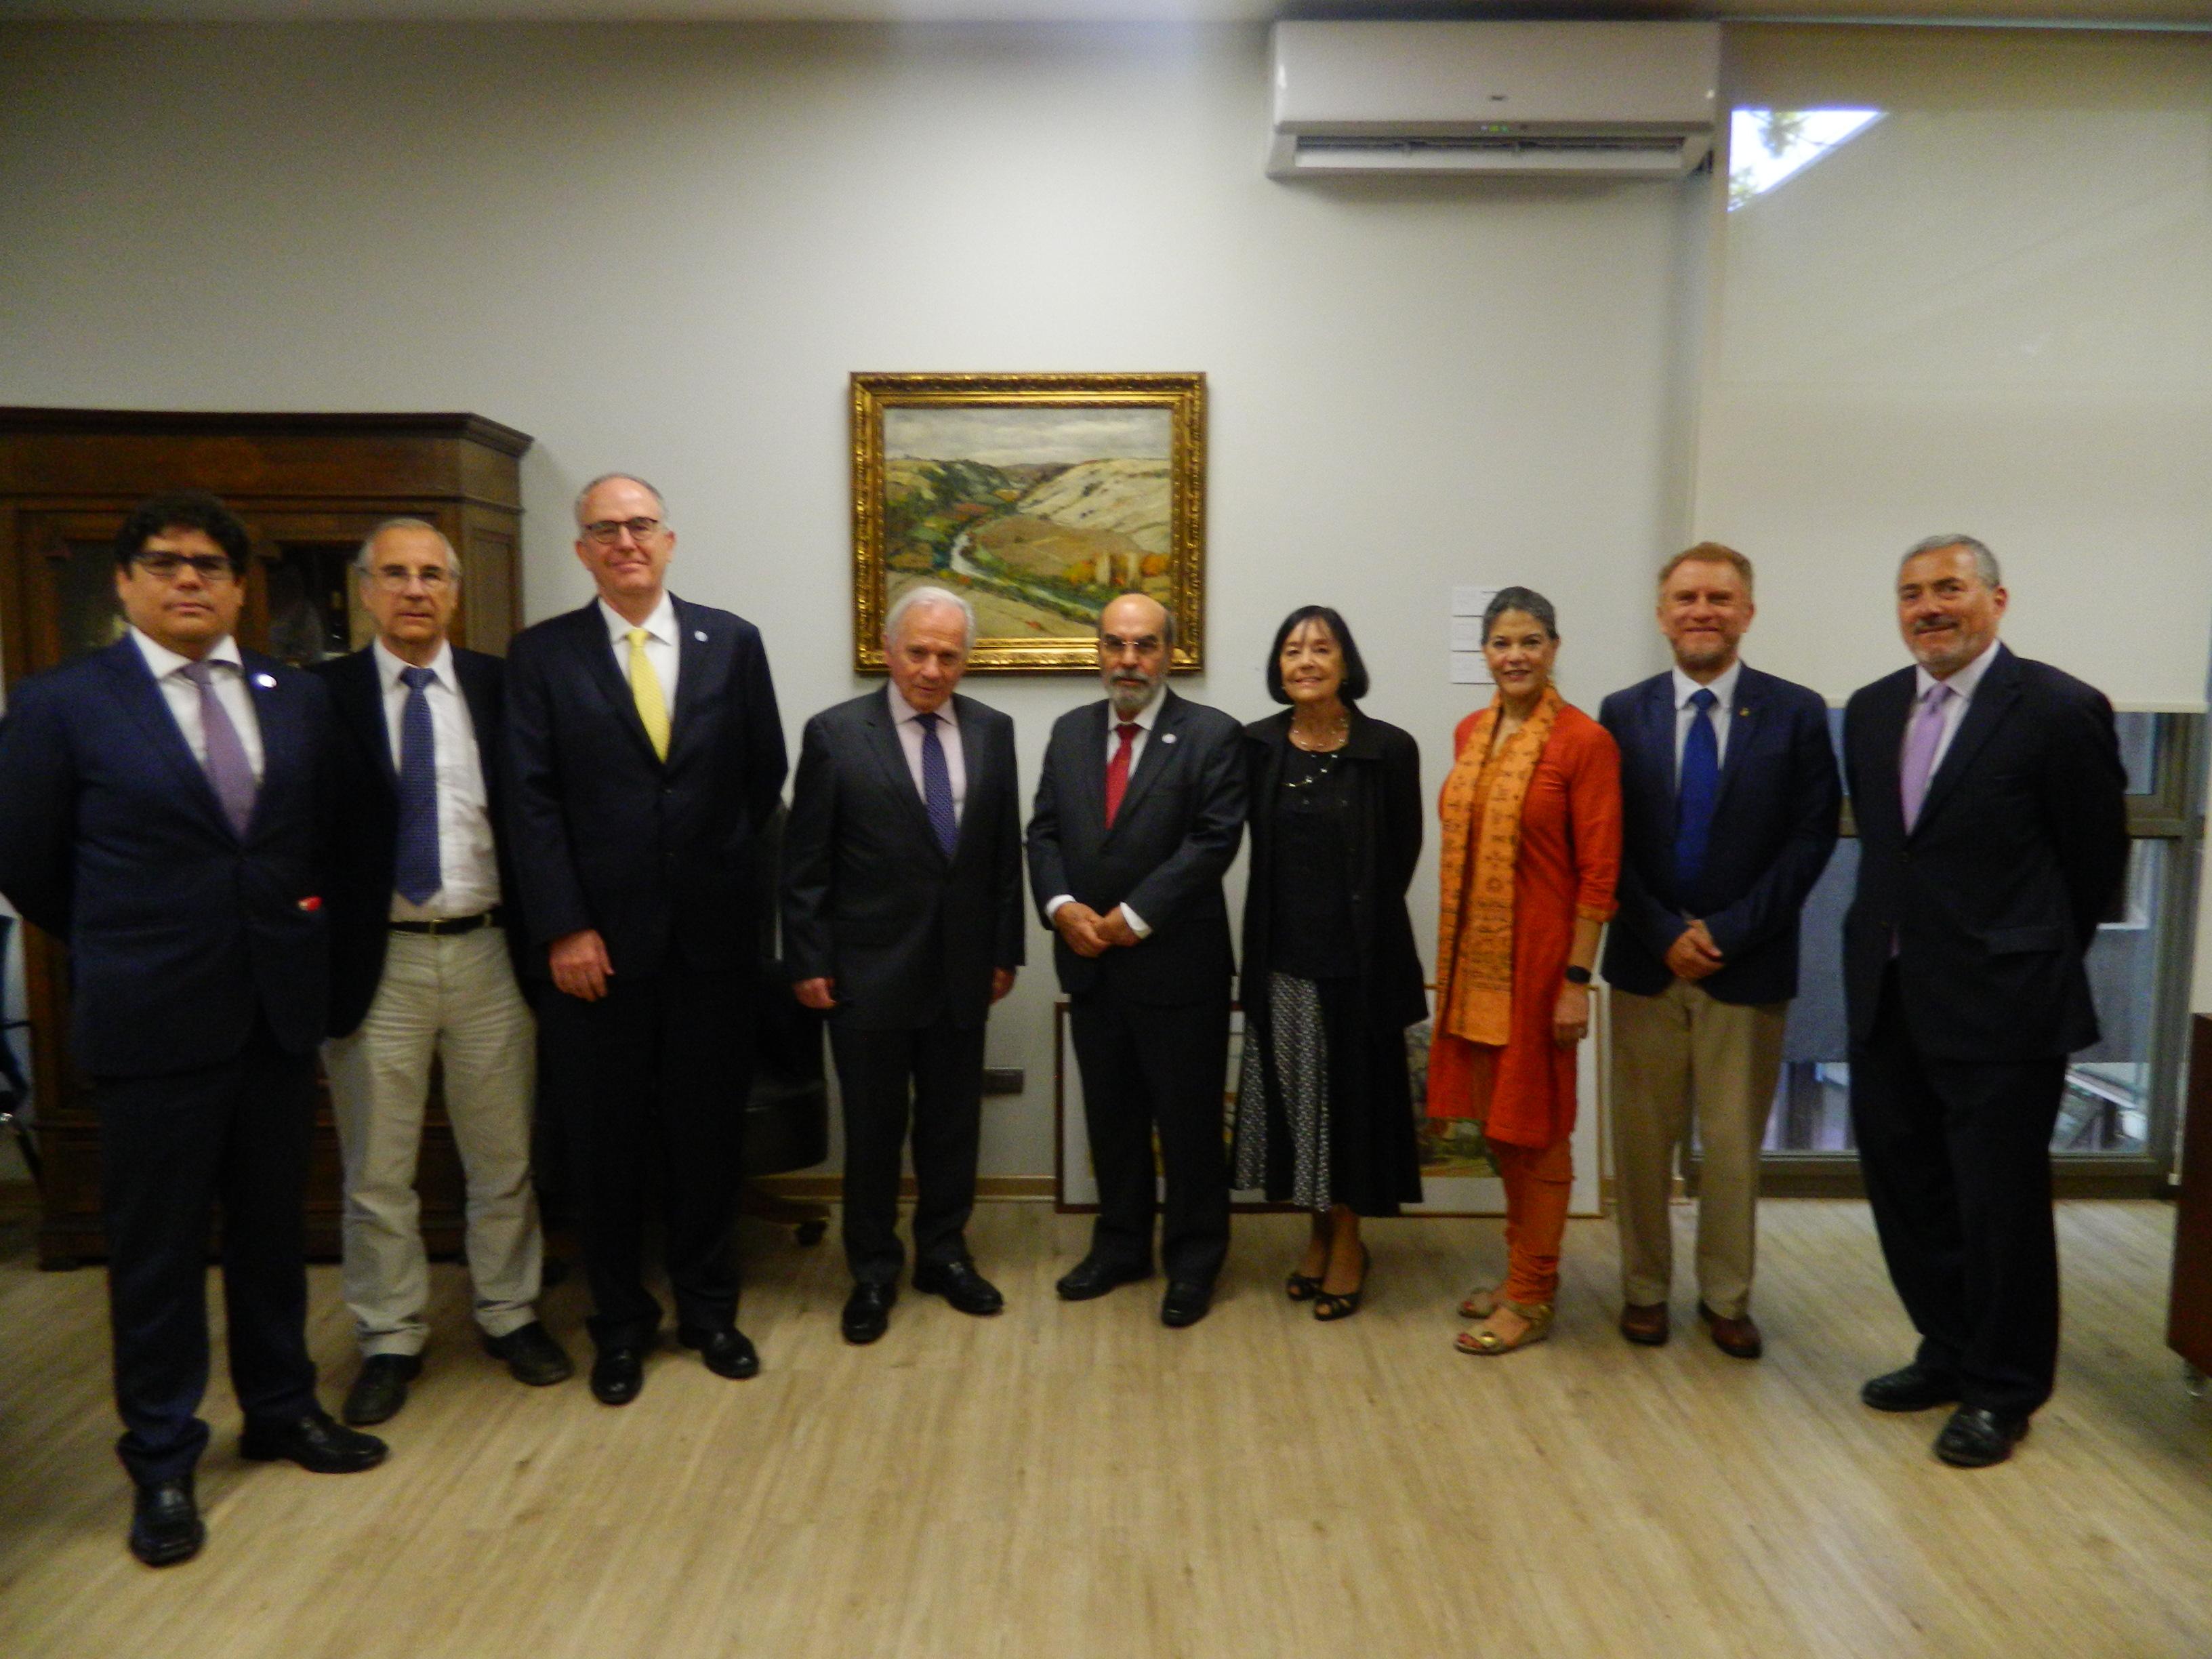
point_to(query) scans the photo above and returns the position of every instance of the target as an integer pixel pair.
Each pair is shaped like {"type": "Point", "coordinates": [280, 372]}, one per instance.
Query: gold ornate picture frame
{"type": "Point", "coordinates": [1038, 498]}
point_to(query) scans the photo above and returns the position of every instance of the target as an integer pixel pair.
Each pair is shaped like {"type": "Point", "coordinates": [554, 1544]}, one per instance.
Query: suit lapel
{"type": "Point", "coordinates": [702, 660]}
{"type": "Point", "coordinates": [595, 647]}
{"type": "Point", "coordinates": [975, 761]}
{"type": "Point", "coordinates": [1086, 774]}
{"type": "Point", "coordinates": [1658, 747]}
{"type": "Point", "coordinates": [1749, 709]}
{"type": "Point", "coordinates": [285, 740]}
{"type": "Point", "coordinates": [136, 690]}
{"type": "Point", "coordinates": [356, 689]}
{"type": "Point", "coordinates": [1995, 695]}
{"type": "Point", "coordinates": [1159, 754]}
{"type": "Point", "coordinates": [1881, 790]}
{"type": "Point", "coordinates": [889, 755]}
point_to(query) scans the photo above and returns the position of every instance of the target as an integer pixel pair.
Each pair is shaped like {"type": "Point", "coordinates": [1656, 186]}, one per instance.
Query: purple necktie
{"type": "Point", "coordinates": [228, 768]}
{"type": "Point", "coordinates": [1920, 746]}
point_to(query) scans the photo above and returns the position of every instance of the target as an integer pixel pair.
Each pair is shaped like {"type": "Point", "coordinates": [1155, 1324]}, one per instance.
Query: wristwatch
{"type": "Point", "coordinates": [1577, 975]}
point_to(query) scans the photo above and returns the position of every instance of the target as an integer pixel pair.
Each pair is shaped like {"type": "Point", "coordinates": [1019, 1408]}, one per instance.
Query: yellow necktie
{"type": "Point", "coordinates": [645, 690]}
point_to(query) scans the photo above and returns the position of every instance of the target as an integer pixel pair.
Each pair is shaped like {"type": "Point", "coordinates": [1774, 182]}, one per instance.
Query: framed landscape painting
{"type": "Point", "coordinates": [1038, 498]}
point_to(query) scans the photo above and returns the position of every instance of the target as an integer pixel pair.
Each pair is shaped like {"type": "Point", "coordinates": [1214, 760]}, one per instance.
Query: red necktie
{"type": "Point", "coordinates": [1117, 770]}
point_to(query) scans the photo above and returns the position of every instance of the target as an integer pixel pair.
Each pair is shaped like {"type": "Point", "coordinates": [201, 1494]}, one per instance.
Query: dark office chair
{"type": "Point", "coordinates": [15, 1088]}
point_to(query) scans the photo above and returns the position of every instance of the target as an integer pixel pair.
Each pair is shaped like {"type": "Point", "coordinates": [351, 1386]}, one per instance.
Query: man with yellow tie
{"type": "Point", "coordinates": [644, 755]}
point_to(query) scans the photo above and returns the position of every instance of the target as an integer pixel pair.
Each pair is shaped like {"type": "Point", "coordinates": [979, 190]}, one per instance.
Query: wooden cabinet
{"type": "Point", "coordinates": [309, 488]}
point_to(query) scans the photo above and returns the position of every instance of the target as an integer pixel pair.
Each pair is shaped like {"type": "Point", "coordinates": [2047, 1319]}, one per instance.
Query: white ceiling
{"type": "Point", "coordinates": [2127, 13]}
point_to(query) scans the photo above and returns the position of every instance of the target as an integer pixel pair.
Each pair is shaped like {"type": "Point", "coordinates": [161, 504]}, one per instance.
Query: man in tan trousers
{"type": "Point", "coordinates": [1729, 798]}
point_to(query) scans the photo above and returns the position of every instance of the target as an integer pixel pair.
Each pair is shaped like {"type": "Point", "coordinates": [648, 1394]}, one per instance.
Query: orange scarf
{"type": "Point", "coordinates": [1474, 932]}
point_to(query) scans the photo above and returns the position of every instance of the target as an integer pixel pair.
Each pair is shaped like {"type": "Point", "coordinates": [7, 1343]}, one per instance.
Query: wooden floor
{"type": "Point", "coordinates": [1069, 1480]}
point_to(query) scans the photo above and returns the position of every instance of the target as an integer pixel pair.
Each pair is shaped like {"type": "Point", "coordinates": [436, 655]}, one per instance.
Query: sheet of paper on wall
{"type": "Point", "coordinates": [1470, 668]}
{"type": "Point", "coordinates": [1471, 601]}
{"type": "Point", "coordinates": [1466, 632]}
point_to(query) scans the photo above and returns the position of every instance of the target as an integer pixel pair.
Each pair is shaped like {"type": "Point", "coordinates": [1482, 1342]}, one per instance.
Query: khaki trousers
{"type": "Point", "coordinates": [454, 997]}
{"type": "Point", "coordinates": [1679, 1051]}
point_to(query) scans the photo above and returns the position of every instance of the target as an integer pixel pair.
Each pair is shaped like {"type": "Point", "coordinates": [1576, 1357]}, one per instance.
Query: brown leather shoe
{"type": "Point", "coordinates": [1646, 1326]}
{"type": "Point", "coordinates": [1739, 1339]}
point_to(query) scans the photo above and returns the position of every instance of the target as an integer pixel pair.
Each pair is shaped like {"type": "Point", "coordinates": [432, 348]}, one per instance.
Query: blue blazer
{"type": "Point", "coordinates": [181, 933]}
{"type": "Point", "coordinates": [1774, 827]}
{"type": "Point", "coordinates": [657, 855]}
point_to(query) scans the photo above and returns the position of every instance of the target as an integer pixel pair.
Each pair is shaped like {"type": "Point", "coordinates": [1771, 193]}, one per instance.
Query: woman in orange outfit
{"type": "Point", "coordinates": [1531, 848]}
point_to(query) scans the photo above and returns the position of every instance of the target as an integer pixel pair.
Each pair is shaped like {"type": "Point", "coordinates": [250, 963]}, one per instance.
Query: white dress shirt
{"type": "Point", "coordinates": [468, 859]}
{"type": "Point", "coordinates": [1723, 690]}
{"type": "Point", "coordinates": [909, 726]}
{"type": "Point", "coordinates": [1143, 719]}
{"type": "Point", "coordinates": [183, 697]}
{"type": "Point", "coordinates": [663, 646]}
{"type": "Point", "coordinates": [1962, 685]}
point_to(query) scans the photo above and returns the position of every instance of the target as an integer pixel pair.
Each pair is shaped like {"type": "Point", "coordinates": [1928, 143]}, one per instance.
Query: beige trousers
{"type": "Point", "coordinates": [1679, 1051]}
{"type": "Point", "coordinates": [454, 997]}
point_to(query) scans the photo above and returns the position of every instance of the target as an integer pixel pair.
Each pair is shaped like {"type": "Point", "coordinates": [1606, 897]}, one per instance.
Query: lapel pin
{"type": "Point", "coordinates": [700, 635]}
{"type": "Point", "coordinates": [266, 682]}
{"type": "Point", "coordinates": [1167, 736]}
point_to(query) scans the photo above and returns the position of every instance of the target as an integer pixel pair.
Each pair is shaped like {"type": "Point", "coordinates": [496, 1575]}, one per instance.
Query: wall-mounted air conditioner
{"type": "Point", "coordinates": [1603, 100]}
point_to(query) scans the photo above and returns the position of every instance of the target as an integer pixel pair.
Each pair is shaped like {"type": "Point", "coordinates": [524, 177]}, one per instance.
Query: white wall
{"type": "Point", "coordinates": [664, 248]}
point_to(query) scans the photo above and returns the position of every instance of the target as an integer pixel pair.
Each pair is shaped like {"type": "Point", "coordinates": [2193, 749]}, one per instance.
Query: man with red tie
{"type": "Point", "coordinates": [1139, 811]}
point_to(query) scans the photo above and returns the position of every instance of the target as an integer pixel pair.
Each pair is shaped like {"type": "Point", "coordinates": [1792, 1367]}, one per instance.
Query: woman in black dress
{"type": "Point", "coordinates": [1331, 979]}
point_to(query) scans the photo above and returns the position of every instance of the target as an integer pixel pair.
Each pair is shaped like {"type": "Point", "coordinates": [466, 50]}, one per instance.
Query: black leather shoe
{"type": "Point", "coordinates": [1093, 1277]}
{"type": "Point", "coordinates": [727, 1352]}
{"type": "Point", "coordinates": [165, 1523]}
{"type": "Point", "coordinates": [1186, 1303]}
{"type": "Point", "coordinates": [1976, 1437]}
{"type": "Point", "coordinates": [958, 1283]}
{"type": "Point", "coordinates": [617, 1375]}
{"type": "Point", "coordinates": [381, 1388]}
{"type": "Point", "coordinates": [1910, 1389]}
{"type": "Point", "coordinates": [314, 1442]}
{"type": "Point", "coordinates": [868, 1312]}
{"type": "Point", "coordinates": [531, 1355]}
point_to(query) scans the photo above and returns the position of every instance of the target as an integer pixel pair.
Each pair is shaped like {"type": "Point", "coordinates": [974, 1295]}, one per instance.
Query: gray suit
{"type": "Point", "coordinates": [911, 938]}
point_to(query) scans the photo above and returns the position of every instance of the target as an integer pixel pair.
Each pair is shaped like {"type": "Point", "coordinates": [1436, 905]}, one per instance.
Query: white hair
{"type": "Point", "coordinates": [585, 494]}
{"type": "Point", "coordinates": [364, 557]}
{"type": "Point", "coordinates": [1985, 562]}
{"type": "Point", "coordinates": [925, 595]}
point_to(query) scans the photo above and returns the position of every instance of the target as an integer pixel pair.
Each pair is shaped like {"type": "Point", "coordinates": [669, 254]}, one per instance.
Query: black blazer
{"type": "Point", "coordinates": [369, 826]}
{"type": "Point", "coordinates": [1994, 899]}
{"type": "Point", "coordinates": [1172, 842]}
{"type": "Point", "coordinates": [1384, 784]}
{"type": "Point", "coordinates": [1774, 828]}
{"type": "Point", "coordinates": [657, 856]}
{"type": "Point", "coordinates": [870, 898]}
{"type": "Point", "coordinates": [181, 933]}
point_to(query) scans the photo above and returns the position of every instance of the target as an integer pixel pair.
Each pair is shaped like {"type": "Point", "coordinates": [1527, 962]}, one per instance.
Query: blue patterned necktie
{"type": "Point", "coordinates": [1694, 795]}
{"type": "Point", "coordinates": [937, 786]}
{"type": "Point", "coordinates": [228, 768]}
{"type": "Point", "coordinates": [415, 872]}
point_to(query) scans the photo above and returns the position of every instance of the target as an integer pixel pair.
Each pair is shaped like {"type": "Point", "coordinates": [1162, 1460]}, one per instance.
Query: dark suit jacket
{"type": "Point", "coordinates": [1774, 827]}
{"type": "Point", "coordinates": [181, 933]}
{"type": "Point", "coordinates": [1382, 833]}
{"type": "Point", "coordinates": [1994, 899]}
{"type": "Point", "coordinates": [658, 856]}
{"type": "Point", "coordinates": [1172, 842]}
{"type": "Point", "coordinates": [369, 828]}
{"type": "Point", "coordinates": [870, 898]}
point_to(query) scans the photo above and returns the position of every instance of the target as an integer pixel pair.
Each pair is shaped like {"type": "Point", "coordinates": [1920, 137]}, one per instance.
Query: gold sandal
{"type": "Point", "coordinates": [1481, 1341]}
{"type": "Point", "coordinates": [1480, 1302]}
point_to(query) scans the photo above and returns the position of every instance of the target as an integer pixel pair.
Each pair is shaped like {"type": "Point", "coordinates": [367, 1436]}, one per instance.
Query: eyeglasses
{"type": "Point", "coordinates": [394, 577]}
{"type": "Point", "coordinates": [606, 532]}
{"type": "Point", "coordinates": [211, 567]}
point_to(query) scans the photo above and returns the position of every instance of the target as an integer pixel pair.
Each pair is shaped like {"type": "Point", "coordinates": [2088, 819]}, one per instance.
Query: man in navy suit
{"type": "Point", "coordinates": [645, 756]}
{"type": "Point", "coordinates": [421, 969]}
{"type": "Point", "coordinates": [167, 814]}
{"type": "Point", "coordinates": [1138, 811]}
{"type": "Point", "coordinates": [903, 919]}
{"type": "Point", "coordinates": [1990, 801]}
{"type": "Point", "coordinates": [1729, 801]}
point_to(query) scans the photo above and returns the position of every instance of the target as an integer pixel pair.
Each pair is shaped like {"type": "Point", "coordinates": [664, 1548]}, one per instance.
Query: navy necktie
{"type": "Point", "coordinates": [937, 786]}
{"type": "Point", "coordinates": [415, 872]}
{"type": "Point", "coordinates": [1694, 794]}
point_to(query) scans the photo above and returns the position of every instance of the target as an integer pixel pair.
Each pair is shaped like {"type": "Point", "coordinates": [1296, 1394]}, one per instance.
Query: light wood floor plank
{"type": "Point", "coordinates": [1077, 1480]}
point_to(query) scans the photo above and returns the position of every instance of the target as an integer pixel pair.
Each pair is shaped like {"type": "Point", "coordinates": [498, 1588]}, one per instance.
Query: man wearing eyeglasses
{"type": "Point", "coordinates": [644, 755]}
{"type": "Point", "coordinates": [420, 968]}
{"type": "Point", "coordinates": [165, 808]}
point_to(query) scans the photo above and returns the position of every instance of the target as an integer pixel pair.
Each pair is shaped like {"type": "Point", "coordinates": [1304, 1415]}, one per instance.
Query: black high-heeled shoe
{"type": "Point", "coordinates": [1302, 1287]}
{"type": "Point", "coordinates": [1327, 1307]}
